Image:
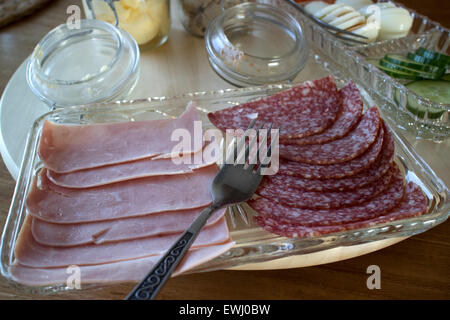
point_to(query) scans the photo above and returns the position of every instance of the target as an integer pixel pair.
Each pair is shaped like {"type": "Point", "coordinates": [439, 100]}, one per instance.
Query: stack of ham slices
{"type": "Point", "coordinates": [337, 169]}
{"type": "Point", "coordinates": [111, 200]}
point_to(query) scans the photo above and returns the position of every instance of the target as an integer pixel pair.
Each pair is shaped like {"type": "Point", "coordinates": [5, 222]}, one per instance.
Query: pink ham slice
{"type": "Point", "coordinates": [132, 270]}
{"type": "Point", "coordinates": [30, 253]}
{"type": "Point", "coordinates": [67, 148]}
{"type": "Point", "coordinates": [135, 169]}
{"type": "Point", "coordinates": [58, 235]}
{"type": "Point", "coordinates": [130, 198]}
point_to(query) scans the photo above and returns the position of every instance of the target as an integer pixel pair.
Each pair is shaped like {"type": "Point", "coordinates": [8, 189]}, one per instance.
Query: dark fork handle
{"type": "Point", "coordinates": [149, 287]}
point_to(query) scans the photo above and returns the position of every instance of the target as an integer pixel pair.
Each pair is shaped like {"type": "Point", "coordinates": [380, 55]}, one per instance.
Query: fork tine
{"type": "Point", "coordinates": [244, 155]}
{"type": "Point", "coordinates": [265, 139]}
{"type": "Point", "coordinates": [247, 150]}
{"type": "Point", "coordinates": [252, 123]}
{"type": "Point", "coordinates": [231, 158]}
{"type": "Point", "coordinates": [230, 155]}
{"type": "Point", "coordinates": [252, 165]}
{"type": "Point", "coordinates": [269, 151]}
{"type": "Point", "coordinates": [242, 143]}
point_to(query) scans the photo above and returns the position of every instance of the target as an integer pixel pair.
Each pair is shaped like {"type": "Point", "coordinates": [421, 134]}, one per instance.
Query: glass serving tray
{"type": "Point", "coordinates": [421, 24]}
{"type": "Point", "coordinates": [382, 88]}
{"type": "Point", "coordinates": [393, 91]}
{"type": "Point", "coordinates": [253, 244]}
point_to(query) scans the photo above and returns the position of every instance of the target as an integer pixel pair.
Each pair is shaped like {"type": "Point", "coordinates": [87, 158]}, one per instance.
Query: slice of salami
{"type": "Point", "coordinates": [301, 111]}
{"type": "Point", "coordinates": [376, 206]}
{"type": "Point", "coordinates": [295, 231]}
{"type": "Point", "coordinates": [374, 172]}
{"type": "Point", "coordinates": [333, 171]}
{"type": "Point", "coordinates": [413, 204]}
{"type": "Point", "coordinates": [352, 106]}
{"type": "Point", "coordinates": [340, 150]}
{"type": "Point", "coordinates": [288, 195]}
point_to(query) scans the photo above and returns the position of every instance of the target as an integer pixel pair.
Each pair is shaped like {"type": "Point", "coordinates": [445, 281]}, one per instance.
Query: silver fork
{"type": "Point", "coordinates": [235, 182]}
{"type": "Point", "coordinates": [338, 33]}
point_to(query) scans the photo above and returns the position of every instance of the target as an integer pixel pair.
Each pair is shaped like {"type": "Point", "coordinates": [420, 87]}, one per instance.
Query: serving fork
{"type": "Point", "coordinates": [236, 181]}
{"type": "Point", "coordinates": [338, 33]}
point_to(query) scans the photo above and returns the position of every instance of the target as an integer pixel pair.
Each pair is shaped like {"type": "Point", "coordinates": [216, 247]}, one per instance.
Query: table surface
{"type": "Point", "coordinates": [416, 268]}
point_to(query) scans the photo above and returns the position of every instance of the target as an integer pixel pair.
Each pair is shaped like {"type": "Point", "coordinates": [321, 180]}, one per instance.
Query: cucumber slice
{"type": "Point", "coordinates": [433, 55]}
{"type": "Point", "coordinates": [402, 61]}
{"type": "Point", "coordinates": [436, 91]}
{"type": "Point", "coordinates": [424, 60]}
{"type": "Point", "coordinates": [418, 73]}
{"type": "Point", "coordinates": [395, 73]}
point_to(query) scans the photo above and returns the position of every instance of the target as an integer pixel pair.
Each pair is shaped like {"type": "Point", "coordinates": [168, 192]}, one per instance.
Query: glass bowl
{"type": "Point", "coordinates": [73, 66]}
{"type": "Point", "coordinates": [237, 45]}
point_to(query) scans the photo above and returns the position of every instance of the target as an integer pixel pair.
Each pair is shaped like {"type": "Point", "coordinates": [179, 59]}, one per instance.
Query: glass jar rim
{"type": "Point", "coordinates": [86, 26]}
{"type": "Point", "coordinates": [216, 41]}
{"type": "Point", "coordinates": [110, 79]}
{"type": "Point", "coordinates": [229, 13]}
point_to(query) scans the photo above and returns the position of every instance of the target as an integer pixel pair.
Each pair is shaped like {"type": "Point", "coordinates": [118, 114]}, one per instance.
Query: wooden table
{"type": "Point", "coordinates": [414, 268]}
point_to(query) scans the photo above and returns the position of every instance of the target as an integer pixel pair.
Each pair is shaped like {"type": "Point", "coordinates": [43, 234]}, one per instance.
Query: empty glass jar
{"type": "Point", "coordinates": [95, 63]}
{"type": "Point", "coordinates": [255, 43]}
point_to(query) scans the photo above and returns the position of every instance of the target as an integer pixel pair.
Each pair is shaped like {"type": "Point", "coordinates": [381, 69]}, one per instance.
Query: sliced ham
{"type": "Point", "coordinates": [135, 169]}
{"type": "Point", "coordinates": [30, 253]}
{"type": "Point", "coordinates": [124, 271]}
{"type": "Point", "coordinates": [67, 148]}
{"type": "Point", "coordinates": [130, 198]}
{"type": "Point", "coordinates": [52, 234]}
